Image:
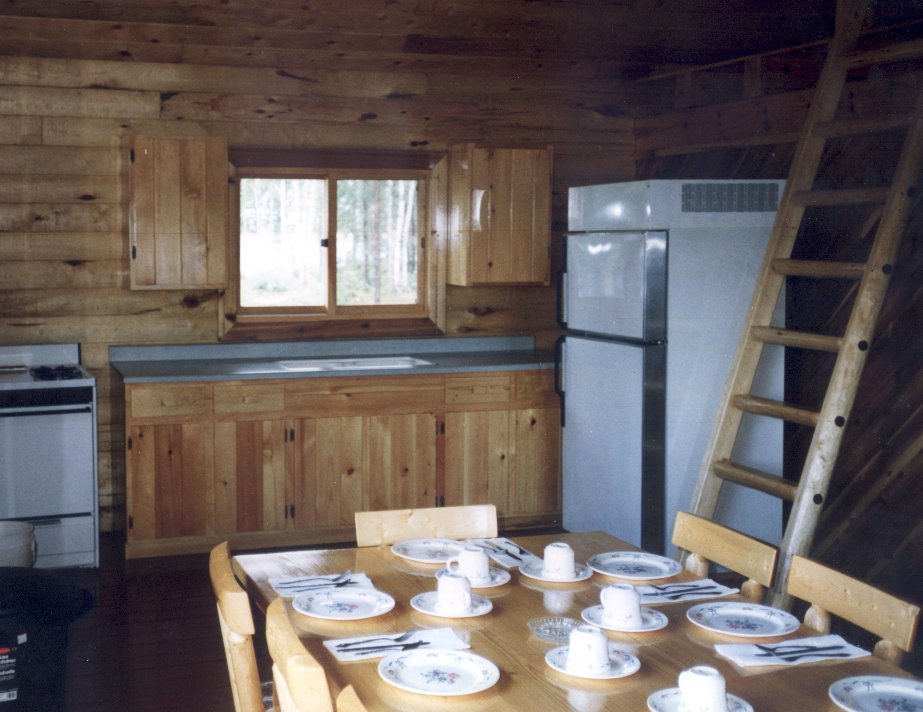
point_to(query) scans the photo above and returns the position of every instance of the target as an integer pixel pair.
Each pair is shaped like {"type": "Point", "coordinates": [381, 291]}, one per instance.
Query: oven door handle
{"type": "Point", "coordinates": [63, 410]}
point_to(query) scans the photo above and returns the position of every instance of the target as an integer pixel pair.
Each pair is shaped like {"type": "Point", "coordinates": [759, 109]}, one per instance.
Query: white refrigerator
{"type": "Point", "coordinates": [657, 281]}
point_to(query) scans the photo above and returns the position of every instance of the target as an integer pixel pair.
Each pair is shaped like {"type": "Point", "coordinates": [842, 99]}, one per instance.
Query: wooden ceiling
{"type": "Point", "coordinates": [429, 45]}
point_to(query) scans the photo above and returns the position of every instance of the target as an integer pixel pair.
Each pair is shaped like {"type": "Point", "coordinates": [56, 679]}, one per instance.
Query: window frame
{"type": "Point", "coordinates": [281, 322]}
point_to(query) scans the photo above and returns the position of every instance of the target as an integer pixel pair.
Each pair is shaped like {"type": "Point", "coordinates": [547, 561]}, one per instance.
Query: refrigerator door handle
{"type": "Point", "coordinates": [559, 354]}
{"type": "Point", "coordinates": [562, 298]}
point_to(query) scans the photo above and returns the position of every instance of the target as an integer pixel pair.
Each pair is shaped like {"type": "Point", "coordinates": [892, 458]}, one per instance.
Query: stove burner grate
{"type": "Point", "coordinates": [55, 373]}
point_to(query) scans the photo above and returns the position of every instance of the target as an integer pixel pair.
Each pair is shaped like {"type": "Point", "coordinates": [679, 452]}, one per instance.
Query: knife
{"type": "Point", "coordinates": [790, 653]}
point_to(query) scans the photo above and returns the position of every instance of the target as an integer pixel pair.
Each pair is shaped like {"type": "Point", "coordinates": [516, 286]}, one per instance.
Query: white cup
{"type": "Point", "coordinates": [453, 593]}
{"type": "Point", "coordinates": [472, 563]}
{"type": "Point", "coordinates": [702, 689]}
{"type": "Point", "coordinates": [559, 562]}
{"type": "Point", "coordinates": [621, 606]}
{"type": "Point", "coordinates": [587, 651]}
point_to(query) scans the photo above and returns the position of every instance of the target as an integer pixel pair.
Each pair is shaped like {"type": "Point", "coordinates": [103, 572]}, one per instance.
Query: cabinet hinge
{"type": "Point", "coordinates": [131, 155]}
{"type": "Point", "coordinates": [134, 252]}
{"type": "Point", "coordinates": [131, 521]}
{"type": "Point", "coordinates": [130, 444]}
{"type": "Point", "coordinates": [325, 242]}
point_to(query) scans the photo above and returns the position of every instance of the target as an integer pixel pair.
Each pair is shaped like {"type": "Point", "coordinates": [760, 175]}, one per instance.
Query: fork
{"type": "Point", "coordinates": [321, 581]}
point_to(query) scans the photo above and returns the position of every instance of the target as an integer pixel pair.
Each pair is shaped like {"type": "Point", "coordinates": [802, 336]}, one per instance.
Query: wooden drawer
{"type": "Point", "coordinates": [478, 389]}
{"type": "Point", "coordinates": [249, 397]}
{"type": "Point", "coordinates": [536, 388]}
{"type": "Point", "coordinates": [176, 400]}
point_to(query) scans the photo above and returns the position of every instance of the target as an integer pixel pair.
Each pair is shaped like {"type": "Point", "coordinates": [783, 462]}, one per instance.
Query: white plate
{"type": "Point", "coordinates": [668, 701]}
{"type": "Point", "coordinates": [498, 577]}
{"type": "Point", "coordinates": [634, 565]}
{"type": "Point", "coordinates": [534, 569]}
{"type": "Point", "coordinates": [428, 551]}
{"type": "Point", "coordinates": [746, 620]}
{"type": "Point", "coordinates": [426, 603]}
{"type": "Point", "coordinates": [343, 604]}
{"type": "Point", "coordinates": [439, 672]}
{"type": "Point", "coordinates": [650, 620]}
{"type": "Point", "coordinates": [872, 693]}
{"type": "Point", "coordinates": [621, 664]}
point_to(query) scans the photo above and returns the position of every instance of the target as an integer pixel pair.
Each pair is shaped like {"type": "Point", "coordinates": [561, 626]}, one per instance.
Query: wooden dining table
{"type": "Point", "coordinates": [503, 636]}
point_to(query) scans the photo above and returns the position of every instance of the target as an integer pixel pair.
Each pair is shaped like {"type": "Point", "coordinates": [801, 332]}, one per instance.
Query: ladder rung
{"type": "Point", "coordinates": [755, 479]}
{"type": "Point", "coordinates": [851, 196]}
{"type": "Point", "coordinates": [775, 409]}
{"type": "Point", "coordinates": [819, 269]}
{"type": "Point", "coordinates": [796, 339]}
{"type": "Point", "coordinates": [856, 127]}
{"type": "Point", "coordinates": [896, 52]}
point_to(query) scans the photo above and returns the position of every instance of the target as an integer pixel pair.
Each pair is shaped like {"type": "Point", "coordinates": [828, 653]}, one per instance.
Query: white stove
{"type": "Point", "coordinates": [48, 451]}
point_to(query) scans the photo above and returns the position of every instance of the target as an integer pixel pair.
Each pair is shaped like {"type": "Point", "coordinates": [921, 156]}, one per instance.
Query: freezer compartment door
{"type": "Point", "coordinates": [602, 437]}
{"type": "Point", "coordinates": [615, 284]}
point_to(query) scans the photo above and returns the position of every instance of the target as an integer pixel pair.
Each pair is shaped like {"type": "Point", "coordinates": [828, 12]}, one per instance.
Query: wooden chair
{"type": "Point", "coordinates": [300, 680]}
{"type": "Point", "coordinates": [389, 526]}
{"type": "Point", "coordinates": [708, 542]}
{"type": "Point", "coordinates": [237, 630]}
{"type": "Point", "coordinates": [348, 701]}
{"type": "Point", "coordinates": [831, 592]}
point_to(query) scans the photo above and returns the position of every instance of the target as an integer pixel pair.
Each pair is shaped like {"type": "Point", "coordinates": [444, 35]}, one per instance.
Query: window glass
{"type": "Point", "coordinates": [283, 223]}
{"type": "Point", "coordinates": [376, 242]}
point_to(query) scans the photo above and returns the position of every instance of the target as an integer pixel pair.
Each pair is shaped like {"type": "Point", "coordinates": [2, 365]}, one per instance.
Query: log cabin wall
{"type": "Point", "coordinates": [72, 89]}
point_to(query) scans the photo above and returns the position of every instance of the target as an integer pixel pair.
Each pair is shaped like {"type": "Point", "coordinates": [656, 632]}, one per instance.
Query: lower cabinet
{"type": "Point", "coordinates": [274, 463]}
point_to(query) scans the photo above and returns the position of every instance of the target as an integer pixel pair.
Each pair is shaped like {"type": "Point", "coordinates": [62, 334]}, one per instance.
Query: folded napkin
{"type": "Point", "coordinates": [293, 585]}
{"type": "Point", "coordinates": [369, 647]}
{"type": "Point", "coordinates": [505, 552]}
{"type": "Point", "coordinates": [790, 652]}
{"type": "Point", "coordinates": [682, 591]}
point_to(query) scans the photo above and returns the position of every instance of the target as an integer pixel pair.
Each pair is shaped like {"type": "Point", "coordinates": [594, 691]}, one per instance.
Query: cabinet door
{"type": "Point", "coordinates": [534, 482]}
{"type": "Point", "coordinates": [178, 213]}
{"type": "Point", "coordinates": [477, 459]}
{"type": "Point", "coordinates": [337, 470]}
{"type": "Point", "coordinates": [499, 215]}
{"type": "Point", "coordinates": [167, 491]}
{"type": "Point", "coordinates": [257, 468]}
{"type": "Point", "coordinates": [401, 461]}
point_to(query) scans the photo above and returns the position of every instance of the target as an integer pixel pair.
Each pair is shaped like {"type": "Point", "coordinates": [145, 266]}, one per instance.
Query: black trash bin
{"type": "Point", "coordinates": [36, 608]}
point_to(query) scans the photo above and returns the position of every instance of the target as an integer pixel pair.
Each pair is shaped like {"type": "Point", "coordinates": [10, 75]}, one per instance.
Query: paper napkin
{"type": "Point", "coordinates": [790, 652]}
{"type": "Point", "coordinates": [372, 647]}
{"type": "Point", "coordinates": [682, 591]}
{"type": "Point", "coordinates": [293, 585]}
{"type": "Point", "coordinates": [505, 552]}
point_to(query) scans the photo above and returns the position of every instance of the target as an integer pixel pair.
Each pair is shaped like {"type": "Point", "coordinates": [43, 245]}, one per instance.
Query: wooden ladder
{"type": "Point", "coordinates": [808, 495]}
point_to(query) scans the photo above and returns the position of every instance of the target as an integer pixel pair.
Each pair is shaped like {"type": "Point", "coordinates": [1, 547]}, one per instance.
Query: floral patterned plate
{"type": "Point", "coordinates": [634, 565]}
{"type": "Point", "coordinates": [343, 604]}
{"type": "Point", "coordinates": [670, 700]}
{"type": "Point", "coordinates": [428, 551]}
{"type": "Point", "coordinates": [747, 620]}
{"type": "Point", "coordinates": [871, 693]}
{"type": "Point", "coordinates": [439, 672]}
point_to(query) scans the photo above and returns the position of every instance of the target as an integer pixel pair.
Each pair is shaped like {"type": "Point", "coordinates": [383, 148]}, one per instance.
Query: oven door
{"type": "Point", "coordinates": [46, 461]}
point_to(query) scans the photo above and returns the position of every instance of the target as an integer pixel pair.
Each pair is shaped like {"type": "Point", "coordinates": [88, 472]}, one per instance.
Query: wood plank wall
{"type": "Point", "coordinates": [63, 218]}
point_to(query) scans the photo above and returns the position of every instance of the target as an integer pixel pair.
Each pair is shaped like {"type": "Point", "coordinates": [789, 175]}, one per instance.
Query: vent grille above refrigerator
{"type": "Point", "coordinates": [728, 197]}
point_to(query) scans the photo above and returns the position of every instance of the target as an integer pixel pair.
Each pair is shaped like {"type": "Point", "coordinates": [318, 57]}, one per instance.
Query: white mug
{"type": "Point", "coordinates": [702, 689]}
{"type": "Point", "coordinates": [453, 593]}
{"type": "Point", "coordinates": [621, 605]}
{"type": "Point", "coordinates": [587, 651]}
{"type": "Point", "coordinates": [472, 563]}
{"type": "Point", "coordinates": [559, 562]}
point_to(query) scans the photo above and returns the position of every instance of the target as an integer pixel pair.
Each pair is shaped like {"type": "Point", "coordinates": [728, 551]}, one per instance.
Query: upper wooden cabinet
{"type": "Point", "coordinates": [178, 215]}
{"type": "Point", "coordinates": [499, 215]}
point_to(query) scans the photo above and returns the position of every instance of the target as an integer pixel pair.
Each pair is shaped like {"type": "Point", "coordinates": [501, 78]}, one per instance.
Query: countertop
{"type": "Point", "coordinates": [214, 362]}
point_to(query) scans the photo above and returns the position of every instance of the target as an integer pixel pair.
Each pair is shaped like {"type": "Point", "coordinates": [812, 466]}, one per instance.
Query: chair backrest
{"type": "Point", "coordinates": [348, 701]}
{"type": "Point", "coordinates": [709, 542]}
{"type": "Point", "coordinates": [828, 591]}
{"type": "Point", "coordinates": [237, 629]}
{"type": "Point", "coordinates": [300, 680]}
{"type": "Point", "coordinates": [392, 525]}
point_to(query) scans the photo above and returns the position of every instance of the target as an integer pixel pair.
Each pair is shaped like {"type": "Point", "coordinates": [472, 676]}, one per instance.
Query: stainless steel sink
{"type": "Point", "coordinates": [353, 364]}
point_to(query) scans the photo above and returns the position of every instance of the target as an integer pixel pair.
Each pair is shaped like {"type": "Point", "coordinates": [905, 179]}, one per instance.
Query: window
{"type": "Point", "coordinates": [317, 244]}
